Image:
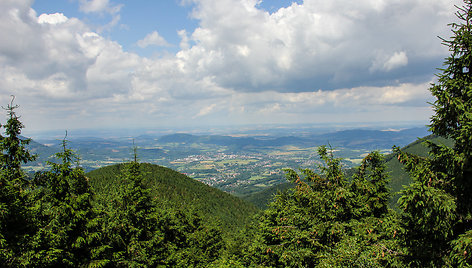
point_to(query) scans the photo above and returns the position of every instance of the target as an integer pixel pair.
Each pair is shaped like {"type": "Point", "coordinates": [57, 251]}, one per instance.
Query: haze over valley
{"type": "Point", "coordinates": [245, 162]}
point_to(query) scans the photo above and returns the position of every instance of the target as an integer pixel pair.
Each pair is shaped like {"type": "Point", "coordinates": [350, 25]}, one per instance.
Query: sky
{"type": "Point", "coordinates": [74, 64]}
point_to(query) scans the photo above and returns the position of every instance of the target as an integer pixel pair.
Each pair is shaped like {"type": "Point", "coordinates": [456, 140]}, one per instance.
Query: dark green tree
{"type": "Point", "coordinates": [369, 187]}
{"type": "Point", "coordinates": [131, 224]}
{"type": "Point", "coordinates": [197, 243]}
{"type": "Point", "coordinates": [145, 233]}
{"type": "Point", "coordinates": [438, 205]}
{"type": "Point", "coordinates": [13, 146]}
{"type": "Point", "coordinates": [15, 221]}
{"type": "Point", "coordinates": [328, 221]}
{"type": "Point", "coordinates": [67, 232]}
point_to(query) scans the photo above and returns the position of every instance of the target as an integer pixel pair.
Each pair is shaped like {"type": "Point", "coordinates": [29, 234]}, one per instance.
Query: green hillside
{"type": "Point", "coordinates": [261, 199]}
{"type": "Point", "coordinates": [398, 176]}
{"type": "Point", "coordinates": [172, 188]}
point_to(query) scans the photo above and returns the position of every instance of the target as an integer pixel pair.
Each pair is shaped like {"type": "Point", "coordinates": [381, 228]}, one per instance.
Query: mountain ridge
{"type": "Point", "coordinates": [362, 137]}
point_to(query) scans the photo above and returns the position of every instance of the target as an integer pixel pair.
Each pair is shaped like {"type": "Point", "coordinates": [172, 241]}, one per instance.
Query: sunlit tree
{"type": "Point", "coordinates": [327, 220]}
{"type": "Point", "coordinates": [438, 205]}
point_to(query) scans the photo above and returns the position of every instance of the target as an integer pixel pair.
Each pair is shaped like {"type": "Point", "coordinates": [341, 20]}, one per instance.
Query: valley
{"type": "Point", "coordinates": [237, 164]}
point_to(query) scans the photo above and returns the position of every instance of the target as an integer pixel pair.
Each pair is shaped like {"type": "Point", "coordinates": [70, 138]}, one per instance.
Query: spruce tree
{"type": "Point", "coordinates": [15, 221]}
{"type": "Point", "coordinates": [438, 205]}
{"type": "Point", "coordinates": [67, 225]}
{"type": "Point", "coordinates": [133, 234]}
{"type": "Point", "coordinates": [328, 221]}
{"type": "Point", "coordinates": [369, 185]}
{"type": "Point", "coordinates": [14, 151]}
{"type": "Point", "coordinates": [144, 232]}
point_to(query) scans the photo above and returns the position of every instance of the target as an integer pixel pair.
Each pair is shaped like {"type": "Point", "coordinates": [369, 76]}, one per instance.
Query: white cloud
{"type": "Point", "coordinates": [388, 63]}
{"type": "Point", "coordinates": [205, 110]}
{"type": "Point", "coordinates": [307, 62]}
{"type": "Point", "coordinates": [55, 18]}
{"type": "Point", "coordinates": [399, 59]}
{"type": "Point", "coordinates": [110, 25]}
{"type": "Point", "coordinates": [184, 40]}
{"type": "Point", "coordinates": [99, 6]}
{"type": "Point", "coordinates": [153, 39]}
{"type": "Point", "coordinates": [61, 58]}
{"type": "Point", "coordinates": [317, 44]}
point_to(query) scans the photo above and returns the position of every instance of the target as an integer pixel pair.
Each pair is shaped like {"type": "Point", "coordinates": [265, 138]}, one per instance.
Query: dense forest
{"type": "Point", "coordinates": [141, 215]}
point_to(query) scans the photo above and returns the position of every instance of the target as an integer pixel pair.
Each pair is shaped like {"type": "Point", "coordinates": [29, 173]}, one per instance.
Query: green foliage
{"type": "Point", "coordinates": [438, 206]}
{"type": "Point", "coordinates": [131, 222]}
{"type": "Point", "coordinates": [429, 212]}
{"type": "Point", "coordinates": [453, 107]}
{"type": "Point", "coordinates": [58, 225]}
{"type": "Point", "coordinates": [369, 186]}
{"type": "Point", "coordinates": [171, 189]}
{"type": "Point", "coordinates": [139, 233]}
{"type": "Point", "coordinates": [263, 198]}
{"type": "Point", "coordinates": [14, 214]}
{"type": "Point", "coordinates": [327, 220]}
{"type": "Point", "coordinates": [461, 250]}
{"type": "Point", "coordinates": [66, 223]}
{"type": "Point", "coordinates": [13, 147]}
{"type": "Point", "coordinates": [400, 177]}
{"type": "Point", "coordinates": [142, 215]}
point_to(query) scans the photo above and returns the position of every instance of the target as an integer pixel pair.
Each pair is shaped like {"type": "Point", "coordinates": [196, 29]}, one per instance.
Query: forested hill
{"type": "Point", "coordinates": [398, 176]}
{"type": "Point", "coordinates": [172, 188]}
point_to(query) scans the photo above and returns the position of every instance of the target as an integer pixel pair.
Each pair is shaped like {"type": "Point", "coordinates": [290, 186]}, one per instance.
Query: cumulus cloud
{"type": "Point", "coordinates": [317, 44]}
{"type": "Point", "coordinates": [398, 59]}
{"type": "Point", "coordinates": [61, 58]}
{"type": "Point", "coordinates": [184, 40]}
{"type": "Point", "coordinates": [152, 39]}
{"type": "Point", "coordinates": [52, 18]}
{"type": "Point", "coordinates": [387, 63]}
{"type": "Point", "coordinates": [290, 65]}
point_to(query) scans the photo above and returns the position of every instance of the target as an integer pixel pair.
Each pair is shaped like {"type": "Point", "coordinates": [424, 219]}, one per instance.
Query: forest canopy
{"type": "Point", "coordinates": [56, 218]}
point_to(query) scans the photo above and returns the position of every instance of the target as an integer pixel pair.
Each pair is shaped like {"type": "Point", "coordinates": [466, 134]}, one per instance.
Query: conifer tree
{"type": "Point", "coordinates": [14, 214]}
{"type": "Point", "coordinates": [438, 205]}
{"type": "Point", "coordinates": [67, 225]}
{"type": "Point", "coordinates": [14, 151]}
{"type": "Point", "coordinates": [141, 232]}
{"type": "Point", "coordinates": [134, 238]}
{"type": "Point", "coordinates": [369, 186]}
{"type": "Point", "coordinates": [328, 221]}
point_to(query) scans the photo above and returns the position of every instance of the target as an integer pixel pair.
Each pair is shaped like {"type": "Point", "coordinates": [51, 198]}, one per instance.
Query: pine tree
{"type": "Point", "coordinates": [438, 205]}
{"type": "Point", "coordinates": [14, 215]}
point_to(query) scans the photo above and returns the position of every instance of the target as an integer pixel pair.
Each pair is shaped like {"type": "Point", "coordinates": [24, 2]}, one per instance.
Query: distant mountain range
{"type": "Point", "coordinates": [112, 150]}
{"type": "Point", "coordinates": [357, 138]}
